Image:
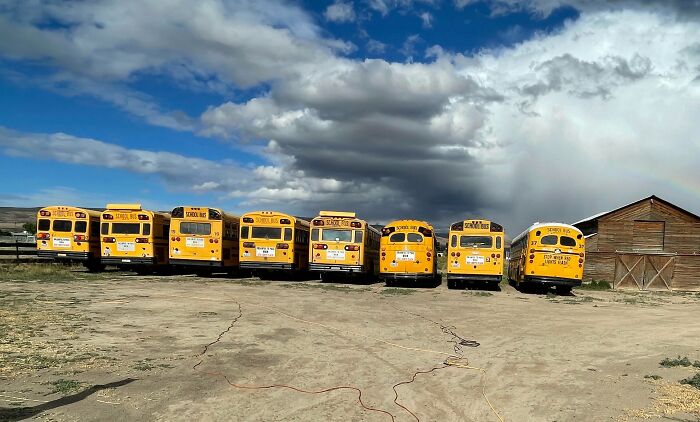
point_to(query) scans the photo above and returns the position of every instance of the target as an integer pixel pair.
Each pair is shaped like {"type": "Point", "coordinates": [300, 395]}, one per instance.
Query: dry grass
{"type": "Point", "coordinates": [46, 273]}
{"type": "Point", "coordinates": [671, 399]}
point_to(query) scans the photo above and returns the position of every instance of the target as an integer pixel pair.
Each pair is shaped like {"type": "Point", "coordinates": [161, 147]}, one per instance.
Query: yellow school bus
{"type": "Point", "coordinates": [203, 238]}
{"type": "Point", "coordinates": [408, 249]}
{"type": "Point", "coordinates": [272, 241]}
{"type": "Point", "coordinates": [475, 253]}
{"type": "Point", "coordinates": [548, 254]}
{"type": "Point", "coordinates": [69, 233]}
{"type": "Point", "coordinates": [132, 236]}
{"type": "Point", "coordinates": [341, 242]}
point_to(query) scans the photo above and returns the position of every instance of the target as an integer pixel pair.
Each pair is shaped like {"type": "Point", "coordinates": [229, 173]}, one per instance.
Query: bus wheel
{"type": "Point", "coordinates": [563, 290]}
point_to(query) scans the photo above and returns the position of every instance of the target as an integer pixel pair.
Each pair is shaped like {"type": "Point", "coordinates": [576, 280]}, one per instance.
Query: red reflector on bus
{"type": "Point", "coordinates": [383, 253]}
{"type": "Point", "coordinates": [352, 248]}
{"type": "Point", "coordinates": [498, 255]}
{"type": "Point", "coordinates": [141, 240]}
{"type": "Point", "coordinates": [452, 254]}
{"type": "Point", "coordinates": [457, 253]}
{"type": "Point", "coordinates": [282, 246]}
{"type": "Point", "coordinates": [532, 256]}
{"type": "Point", "coordinates": [177, 238]}
{"type": "Point", "coordinates": [428, 254]}
{"type": "Point", "coordinates": [580, 260]}
{"type": "Point", "coordinates": [44, 213]}
{"type": "Point", "coordinates": [172, 238]}
{"type": "Point", "coordinates": [493, 255]}
{"type": "Point", "coordinates": [248, 244]}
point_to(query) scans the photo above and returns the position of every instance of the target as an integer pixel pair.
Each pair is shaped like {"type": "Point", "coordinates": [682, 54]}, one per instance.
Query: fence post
{"type": "Point", "coordinates": [17, 249]}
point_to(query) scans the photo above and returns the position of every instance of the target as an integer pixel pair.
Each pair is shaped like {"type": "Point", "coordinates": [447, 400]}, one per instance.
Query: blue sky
{"type": "Point", "coordinates": [395, 108]}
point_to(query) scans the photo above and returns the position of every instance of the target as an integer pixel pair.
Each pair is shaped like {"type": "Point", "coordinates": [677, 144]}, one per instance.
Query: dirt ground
{"type": "Point", "coordinates": [114, 346]}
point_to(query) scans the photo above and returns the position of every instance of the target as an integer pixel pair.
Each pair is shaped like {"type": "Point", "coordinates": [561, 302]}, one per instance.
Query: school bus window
{"type": "Point", "coordinates": [397, 237]}
{"type": "Point", "coordinates": [549, 240]}
{"type": "Point", "coordinates": [414, 237]}
{"type": "Point", "coordinates": [195, 228]}
{"type": "Point", "coordinates": [287, 234]}
{"type": "Point", "coordinates": [498, 242]}
{"type": "Point", "coordinates": [314, 235]}
{"type": "Point", "coordinates": [105, 228]}
{"type": "Point", "coordinates": [267, 232]}
{"type": "Point", "coordinates": [94, 227]}
{"type": "Point", "coordinates": [244, 232]}
{"type": "Point", "coordinates": [358, 236]}
{"type": "Point", "coordinates": [337, 235]}
{"type": "Point", "coordinates": [126, 228]}
{"type": "Point", "coordinates": [453, 242]}
{"type": "Point", "coordinates": [480, 242]}
{"type": "Point", "coordinates": [44, 225]}
{"type": "Point", "coordinates": [62, 225]}
{"type": "Point", "coordinates": [567, 241]}
{"type": "Point", "coordinates": [146, 229]}
{"type": "Point", "coordinates": [80, 226]}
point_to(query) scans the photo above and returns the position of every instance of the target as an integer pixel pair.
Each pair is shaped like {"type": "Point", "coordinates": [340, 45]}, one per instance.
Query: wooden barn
{"type": "Point", "coordinates": [650, 244]}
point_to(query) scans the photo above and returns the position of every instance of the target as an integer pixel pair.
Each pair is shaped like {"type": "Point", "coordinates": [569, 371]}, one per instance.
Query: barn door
{"type": "Point", "coordinates": [644, 271]}
{"type": "Point", "coordinates": [658, 274]}
{"type": "Point", "coordinates": [629, 271]}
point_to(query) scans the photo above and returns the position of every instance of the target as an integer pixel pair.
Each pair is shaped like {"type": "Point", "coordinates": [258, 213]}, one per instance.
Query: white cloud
{"type": "Point", "coordinates": [340, 11]}
{"type": "Point", "coordinates": [427, 19]}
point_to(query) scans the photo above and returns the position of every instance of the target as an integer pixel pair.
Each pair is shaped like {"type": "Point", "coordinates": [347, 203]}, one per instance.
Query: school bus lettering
{"type": "Point", "coordinates": [477, 225]}
{"type": "Point", "coordinates": [195, 214]}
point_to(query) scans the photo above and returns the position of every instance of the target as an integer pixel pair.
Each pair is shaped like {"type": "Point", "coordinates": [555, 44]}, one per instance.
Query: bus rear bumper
{"type": "Point", "coordinates": [553, 281]}
{"type": "Point", "coordinates": [336, 268]}
{"type": "Point", "coordinates": [267, 266]}
{"type": "Point", "coordinates": [109, 260]}
{"type": "Point", "coordinates": [415, 277]}
{"type": "Point", "coordinates": [474, 278]}
{"type": "Point", "coordinates": [196, 263]}
{"type": "Point", "coordinates": [67, 255]}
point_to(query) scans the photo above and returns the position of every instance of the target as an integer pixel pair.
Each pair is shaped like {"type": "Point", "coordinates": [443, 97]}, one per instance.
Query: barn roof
{"type": "Point", "coordinates": [652, 197]}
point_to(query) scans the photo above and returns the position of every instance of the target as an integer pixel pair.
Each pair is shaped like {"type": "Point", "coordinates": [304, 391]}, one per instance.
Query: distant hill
{"type": "Point", "coordinates": [12, 218]}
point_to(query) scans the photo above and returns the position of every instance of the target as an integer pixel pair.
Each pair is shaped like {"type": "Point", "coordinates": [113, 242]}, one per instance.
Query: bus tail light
{"type": "Point", "coordinates": [108, 239]}
{"type": "Point", "coordinates": [108, 216]}
{"type": "Point", "coordinates": [352, 248]}
{"type": "Point", "coordinates": [80, 215]}
{"type": "Point", "coordinates": [248, 244]}
{"type": "Point", "coordinates": [428, 254]}
{"type": "Point", "coordinates": [493, 255]}
{"type": "Point", "coordinates": [44, 236]}
{"type": "Point", "coordinates": [172, 238]}
{"type": "Point", "coordinates": [581, 254]}
{"type": "Point", "coordinates": [318, 223]}
{"type": "Point", "coordinates": [320, 246]}
{"type": "Point", "coordinates": [282, 246]}
{"type": "Point", "coordinates": [498, 255]}
{"type": "Point", "coordinates": [177, 238]}
{"type": "Point", "coordinates": [532, 256]}
{"type": "Point", "coordinates": [458, 254]}
{"type": "Point", "coordinates": [580, 260]}
{"type": "Point", "coordinates": [452, 254]}
{"type": "Point", "coordinates": [80, 238]}
{"type": "Point", "coordinates": [216, 240]}
{"type": "Point", "coordinates": [356, 224]}
{"type": "Point", "coordinates": [45, 213]}
{"type": "Point", "coordinates": [248, 220]}
{"type": "Point", "coordinates": [141, 240]}
{"type": "Point", "coordinates": [383, 253]}
{"type": "Point", "coordinates": [143, 217]}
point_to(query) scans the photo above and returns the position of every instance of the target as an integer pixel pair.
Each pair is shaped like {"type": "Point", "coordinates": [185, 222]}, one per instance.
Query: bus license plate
{"type": "Point", "coordinates": [194, 242]}
{"type": "Point", "coordinates": [267, 252]}
{"type": "Point", "coordinates": [475, 260]}
{"type": "Point", "coordinates": [335, 254]}
{"type": "Point", "coordinates": [405, 256]}
{"type": "Point", "coordinates": [126, 246]}
{"type": "Point", "coordinates": [61, 242]}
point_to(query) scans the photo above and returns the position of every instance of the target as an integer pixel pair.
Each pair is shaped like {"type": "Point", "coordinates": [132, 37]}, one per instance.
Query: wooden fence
{"type": "Point", "coordinates": [16, 250]}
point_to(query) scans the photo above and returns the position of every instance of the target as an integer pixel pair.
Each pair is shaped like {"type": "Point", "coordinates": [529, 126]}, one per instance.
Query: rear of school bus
{"type": "Point", "coordinates": [552, 255]}
{"type": "Point", "coordinates": [475, 253]}
{"type": "Point", "coordinates": [132, 236]}
{"type": "Point", "coordinates": [69, 233]}
{"type": "Point", "coordinates": [408, 250]}
{"type": "Point", "coordinates": [203, 237]}
{"type": "Point", "coordinates": [340, 242]}
{"type": "Point", "coordinates": [274, 241]}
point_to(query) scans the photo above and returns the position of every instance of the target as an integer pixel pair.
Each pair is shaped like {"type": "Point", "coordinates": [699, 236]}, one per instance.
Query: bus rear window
{"type": "Point", "coordinates": [567, 241]}
{"type": "Point", "coordinates": [358, 236]}
{"type": "Point", "coordinates": [44, 225]}
{"type": "Point", "coordinates": [414, 237]}
{"type": "Point", "coordinates": [80, 226]}
{"type": "Point", "coordinates": [337, 235]}
{"type": "Point", "coordinates": [195, 228]}
{"type": "Point", "coordinates": [287, 234]}
{"type": "Point", "coordinates": [62, 225]}
{"type": "Point", "coordinates": [267, 233]}
{"type": "Point", "coordinates": [126, 228]}
{"type": "Point", "coordinates": [245, 230]}
{"type": "Point", "coordinates": [397, 237]}
{"type": "Point", "coordinates": [550, 239]}
{"type": "Point", "coordinates": [479, 242]}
